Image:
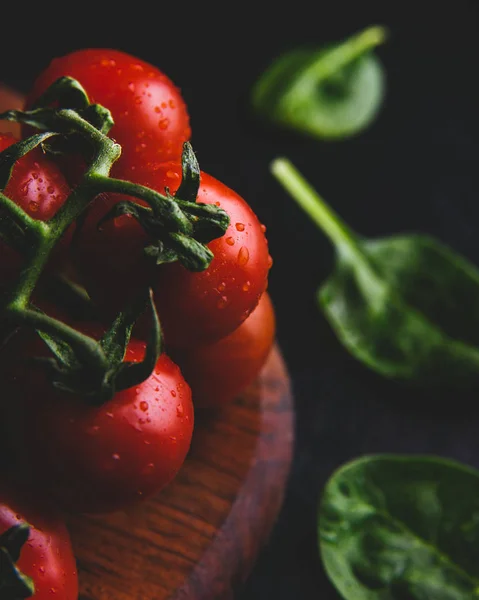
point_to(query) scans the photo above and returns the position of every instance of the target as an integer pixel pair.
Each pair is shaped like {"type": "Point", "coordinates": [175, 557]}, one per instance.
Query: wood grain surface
{"type": "Point", "coordinates": [198, 539]}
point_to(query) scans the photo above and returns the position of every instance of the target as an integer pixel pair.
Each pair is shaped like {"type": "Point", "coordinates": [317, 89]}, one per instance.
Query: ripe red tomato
{"type": "Point", "coordinates": [105, 458]}
{"type": "Point", "coordinates": [218, 372]}
{"type": "Point", "coordinates": [150, 114]}
{"type": "Point", "coordinates": [200, 308]}
{"type": "Point", "coordinates": [39, 188]}
{"type": "Point", "coordinates": [194, 308]}
{"type": "Point", "coordinates": [47, 556]}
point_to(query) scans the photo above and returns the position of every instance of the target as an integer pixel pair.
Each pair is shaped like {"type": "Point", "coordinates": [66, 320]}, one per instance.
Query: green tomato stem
{"type": "Point", "coordinates": [169, 209]}
{"type": "Point", "coordinates": [86, 347]}
{"type": "Point", "coordinates": [15, 218]}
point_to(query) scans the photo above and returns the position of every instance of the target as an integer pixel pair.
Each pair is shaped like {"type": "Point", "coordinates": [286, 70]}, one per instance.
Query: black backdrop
{"type": "Point", "coordinates": [415, 168]}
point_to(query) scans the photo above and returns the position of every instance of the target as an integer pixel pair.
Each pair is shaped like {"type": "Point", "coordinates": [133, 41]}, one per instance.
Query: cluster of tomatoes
{"type": "Point", "coordinates": [218, 325]}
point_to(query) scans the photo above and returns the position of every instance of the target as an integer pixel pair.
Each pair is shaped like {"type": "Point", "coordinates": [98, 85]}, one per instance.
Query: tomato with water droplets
{"type": "Point", "coordinates": [151, 117]}
{"type": "Point", "coordinates": [40, 189]}
{"type": "Point", "coordinates": [194, 308]}
{"type": "Point", "coordinates": [98, 459]}
{"type": "Point", "coordinates": [217, 373]}
{"type": "Point", "coordinates": [47, 556]}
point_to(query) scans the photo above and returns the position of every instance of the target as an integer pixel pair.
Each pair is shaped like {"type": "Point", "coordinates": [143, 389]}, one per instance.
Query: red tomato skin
{"type": "Point", "coordinates": [91, 459]}
{"type": "Point", "coordinates": [40, 189]}
{"type": "Point", "coordinates": [217, 373]}
{"type": "Point", "coordinates": [47, 556]}
{"type": "Point", "coordinates": [36, 185]}
{"type": "Point", "coordinates": [110, 262]}
{"type": "Point", "coordinates": [150, 114]}
{"type": "Point", "coordinates": [194, 308]}
{"type": "Point", "coordinates": [201, 308]}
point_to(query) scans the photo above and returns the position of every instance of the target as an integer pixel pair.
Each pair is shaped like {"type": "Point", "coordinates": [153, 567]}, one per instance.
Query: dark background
{"type": "Point", "coordinates": [414, 169]}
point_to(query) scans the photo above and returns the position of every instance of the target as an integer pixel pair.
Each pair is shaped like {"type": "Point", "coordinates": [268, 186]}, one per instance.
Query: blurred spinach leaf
{"type": "Point", "coordinates": [329, 92]}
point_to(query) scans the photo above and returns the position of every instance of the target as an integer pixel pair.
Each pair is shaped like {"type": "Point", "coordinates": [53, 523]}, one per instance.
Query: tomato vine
{"type": "Point", "coordinates": [180, 230]}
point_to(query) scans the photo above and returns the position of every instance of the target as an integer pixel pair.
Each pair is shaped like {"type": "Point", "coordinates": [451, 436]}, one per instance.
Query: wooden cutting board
{"type": "Point", "coordinates": [198, 539]}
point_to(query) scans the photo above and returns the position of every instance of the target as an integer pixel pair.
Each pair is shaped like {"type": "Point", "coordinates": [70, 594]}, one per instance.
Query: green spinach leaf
{"type": "Point", "coordinates": [407, 306]}
{"type": "Point", "coordinates": [401, 527]}
{"type": "Point", "coordinates": [328, 92]}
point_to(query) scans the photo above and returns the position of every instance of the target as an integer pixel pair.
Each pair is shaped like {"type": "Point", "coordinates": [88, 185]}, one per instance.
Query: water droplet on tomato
{"type": "Point", "coordinates": [149, 468]}
{"type": "Point", "coordinates": [270, 261]}
{"type": "Point", "coordinates": [243, 256]}
{"type": "Point", "coordinates": [171, 103]}
{"type": "Point", "coordinates": [239, 226]}
{"type": "Point", "coordinates": [173, 175]}
{"type": "Point", "coordinates": [246, 286]}
{"type": "Point", "coordinates": [33, 206]}
{"type": "Point", "coordinates": [143, 405]}
{"type": "Point", "coordinates": [222, 302]}
{"type": "Point", "coordinates": [163, 123]}
{"type": "Point", "coordinates": [131, 86]}
{"type": "Point", "coordinates": [51, 189]}
{"type": "Point", "coordinates": [230, 241]}
{"type": "Point", "coordinates": [110, 415]}
{"type": "Point", "coordinates": [180, 410]}
{"type": "Point", "coordinates": [245, 315]}
{"type": "Point", "coordinates": [173, 439]}
{"type": "Point", "coordinates": [115, 456]}
{"type": "Point", "coordinates": [263, 228]}
{"type": "Point", "coordinates": [221, 287]}
{"type": "Point", "coordinates": [173, 393]}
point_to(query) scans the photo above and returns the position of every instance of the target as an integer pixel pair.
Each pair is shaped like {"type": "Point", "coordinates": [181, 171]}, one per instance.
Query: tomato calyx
{"type": "Point", "coordinates": [65, 93]}
{"type": "Point", "coordinates": [101, 372]}
{"type": "Point", "coordinates": [186, 244]}
{"type": "Point", "coordinates": [13, 583]}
